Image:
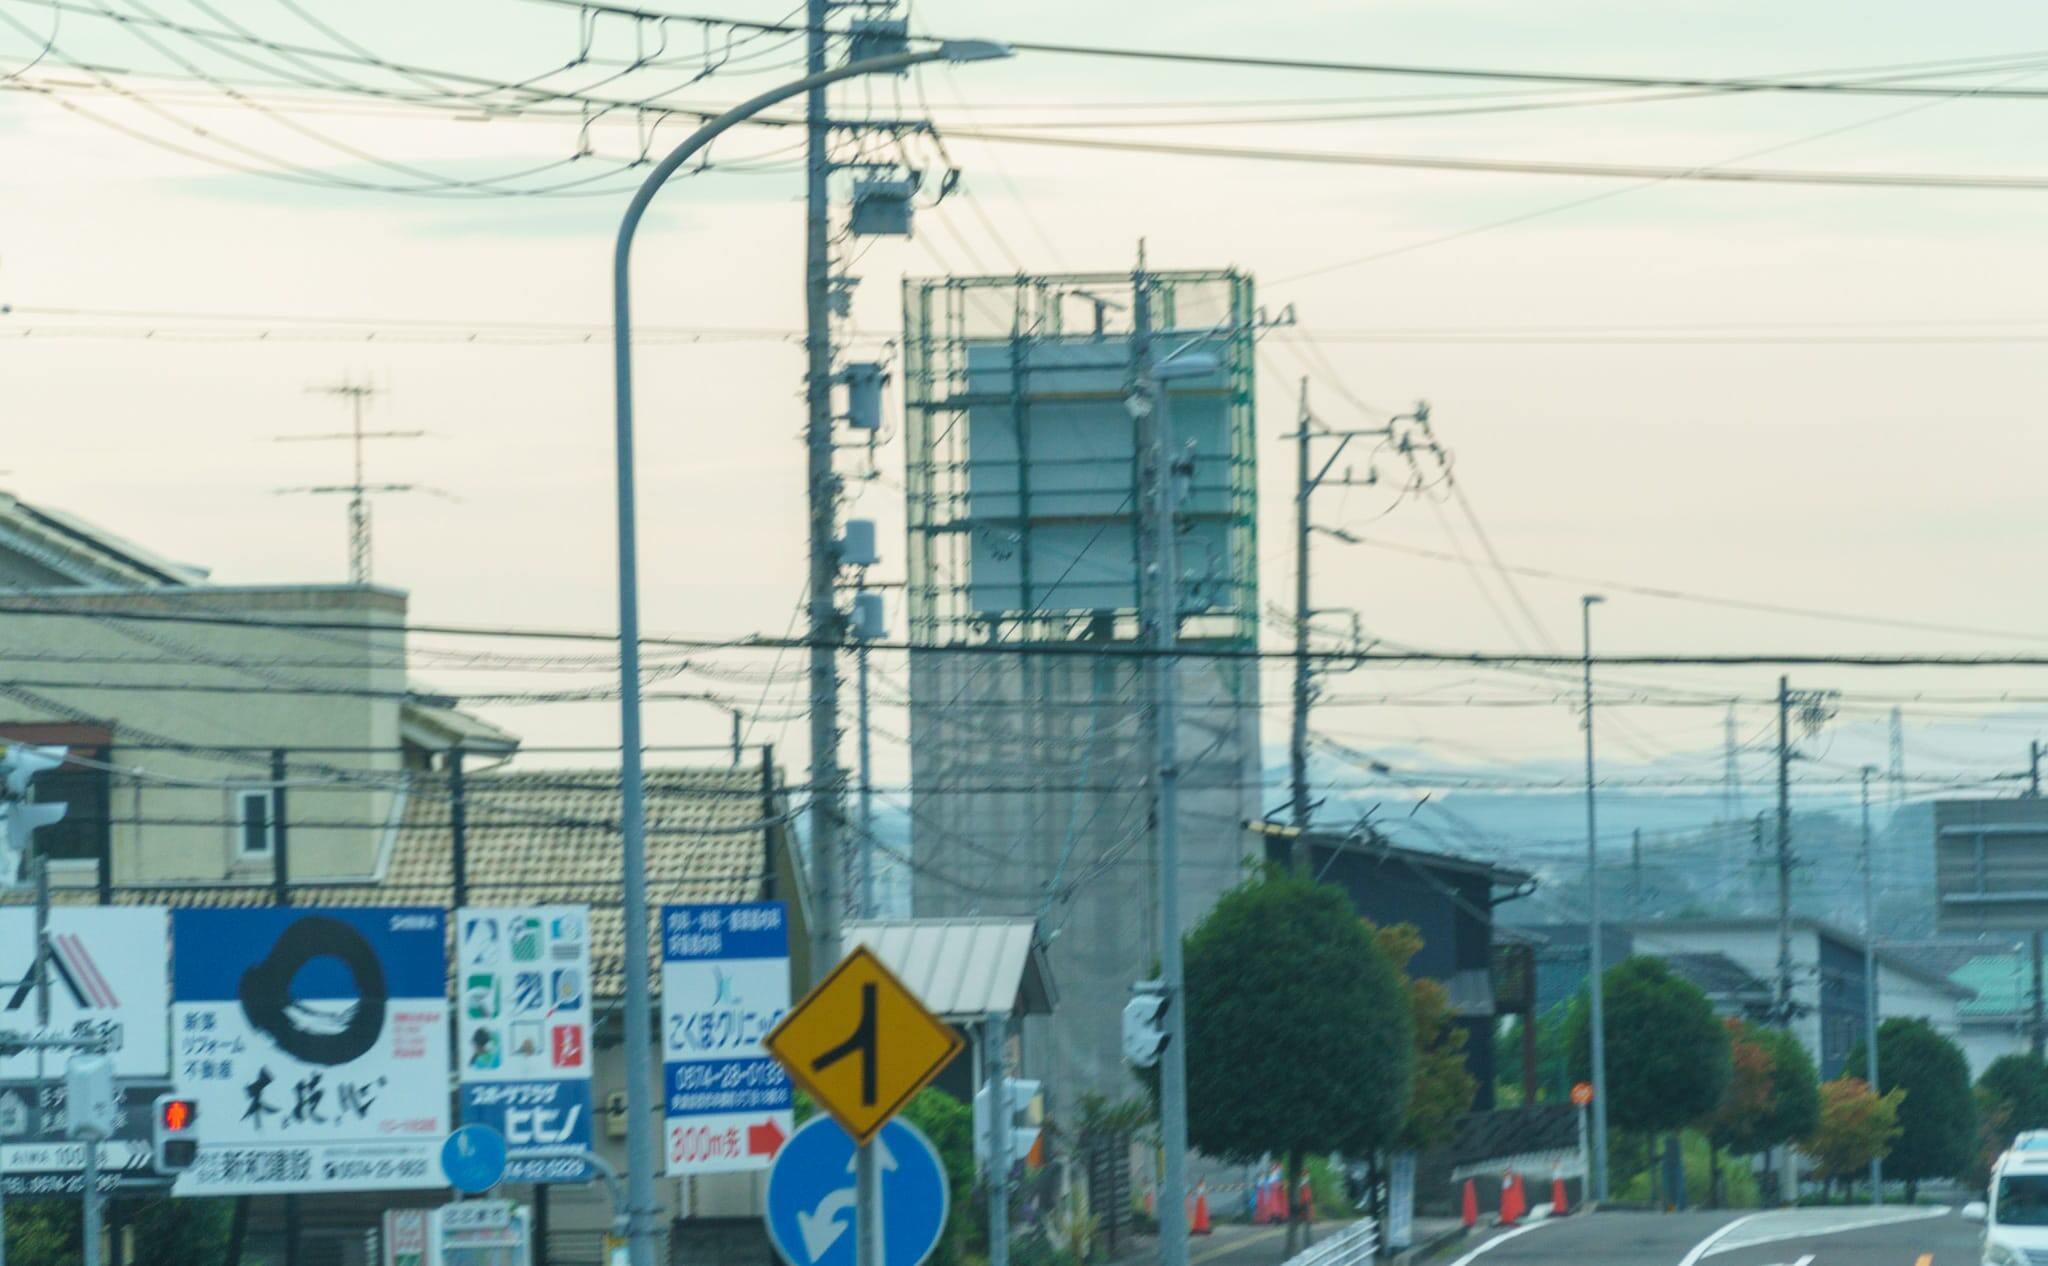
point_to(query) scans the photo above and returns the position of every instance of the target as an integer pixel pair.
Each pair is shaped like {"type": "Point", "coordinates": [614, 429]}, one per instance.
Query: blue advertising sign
{"type": "Point", "coordinates": [532, 1115]}
{"type": "Point", "coordinates": [474, 1158]}
{"type": "Point", "coordinates": [811, 1200]}
{"type": "Point", "coordinates": [523, 1024]}
{"type": "Point", "coordinates": [314, 1044]}
{"type": "Point", "coordinates": [724, 984]}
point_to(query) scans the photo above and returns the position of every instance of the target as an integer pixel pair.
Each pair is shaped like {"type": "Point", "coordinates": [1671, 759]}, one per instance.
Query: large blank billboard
{"type": "Point", "coordinates": [1991, 865]}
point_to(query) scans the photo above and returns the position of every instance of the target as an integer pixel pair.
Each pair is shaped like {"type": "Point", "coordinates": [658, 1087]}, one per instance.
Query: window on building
{"type": "Point", "coordinates": [255, 837]}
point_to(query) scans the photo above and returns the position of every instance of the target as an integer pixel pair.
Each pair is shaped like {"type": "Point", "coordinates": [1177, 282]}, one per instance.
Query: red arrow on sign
{"type": "Point", "coordinates": [764, 1139]}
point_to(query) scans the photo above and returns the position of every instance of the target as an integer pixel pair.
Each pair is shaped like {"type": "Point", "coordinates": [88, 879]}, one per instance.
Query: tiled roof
{"type": "Point", "coordinates": [543, 837]}
{"type": "Point", "coordinates": [2001, 982]}
{"type": "Point", "coordinates": [1717, 975]}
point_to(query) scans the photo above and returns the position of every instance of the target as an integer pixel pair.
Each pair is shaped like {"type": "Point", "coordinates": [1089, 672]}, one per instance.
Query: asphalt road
{"type": "Point", "coordinates": [1795, 1237]}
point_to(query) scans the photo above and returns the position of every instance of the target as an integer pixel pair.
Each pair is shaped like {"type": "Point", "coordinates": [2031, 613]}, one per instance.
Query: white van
{"type": "Point", "coordinates": [2016, 1218]}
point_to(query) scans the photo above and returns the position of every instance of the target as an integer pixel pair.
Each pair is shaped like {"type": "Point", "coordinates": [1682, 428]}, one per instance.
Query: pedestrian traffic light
{"type": "Point", "coordinates": [174, 1134]}
{"type": "Point", "coordinates": [1145, 1024]}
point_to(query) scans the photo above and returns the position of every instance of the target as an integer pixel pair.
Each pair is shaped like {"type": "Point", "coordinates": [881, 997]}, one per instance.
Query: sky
{"type": "Point", "coordinates": [1775, 453]}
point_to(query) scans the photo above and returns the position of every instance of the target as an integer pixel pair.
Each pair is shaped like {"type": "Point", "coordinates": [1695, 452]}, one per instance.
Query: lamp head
{"type": "Point", "coordinates": [975, 50]}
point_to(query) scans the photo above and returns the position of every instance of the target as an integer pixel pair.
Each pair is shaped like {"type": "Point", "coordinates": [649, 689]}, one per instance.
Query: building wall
{"type": "Point", "coordinates": [1756, 950]}
{"type": "Point", "coordinates": [1901, 995]}
{"type": "Point", "coordinates": [1827, 977]}
{"type": "Point", "coordinates": [1986, 1040]}
{"type": "Point", "coordinates": [243, 687]}
{"type": "Point", "coordinates": [1031, 795]}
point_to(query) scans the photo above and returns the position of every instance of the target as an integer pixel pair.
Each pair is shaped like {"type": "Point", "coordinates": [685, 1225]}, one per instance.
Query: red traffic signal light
{"type": "Point", "coordinates": [173, 1140]}
{"type": "Point", "coordinates": [177, 1115]}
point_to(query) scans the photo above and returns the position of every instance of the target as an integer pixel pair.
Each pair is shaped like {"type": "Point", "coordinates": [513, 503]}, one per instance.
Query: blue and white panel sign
{"type": "Point", "coordinates": [523, 1019]}
{"type": "Point", "coordinates": [315, 1043]}
{"type": "Point", "coordinates": [811, 1204]}
{"type": "Point", "coordinates": [724, 984]}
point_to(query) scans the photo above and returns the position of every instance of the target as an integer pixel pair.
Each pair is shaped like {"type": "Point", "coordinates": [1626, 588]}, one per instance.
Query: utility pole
{"type": "Point", "coordinates": [1782, 999]}
{"type": "Point", "coordinates": [824, 627]}
{"type": "Point", "coordinates": [1635, 874]}
{"type": "Point", "coordinates": [2038, 1023]}
{"type": "Point", "coordinates": [1161, 469]}
{"type": "Point", "coordinates": [1870, 982]}
{"type": "Point", "coordinates": [1307, 430]}
{"type": "Point", "coordinates": [1731, 769]}
{"type": "Point", "coordinates": [358, 491]}
{"type": "Point", "coordinates": [1297, 748]}
{"type": "Point", "coordinates": [1594, 967]}
{"type": "Point", "coordinates": [866, 875]}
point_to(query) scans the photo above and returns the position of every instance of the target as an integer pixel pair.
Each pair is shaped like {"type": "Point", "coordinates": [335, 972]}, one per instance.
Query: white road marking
{"type": "Point", "coordinates": [1499, 1240]}
{"type": "Point", "coordinates": [1706, 1246]}
{"type": "Point", "coordinates": [1713, 1245]}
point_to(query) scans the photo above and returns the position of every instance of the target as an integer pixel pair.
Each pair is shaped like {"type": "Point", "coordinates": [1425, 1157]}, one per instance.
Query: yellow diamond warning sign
{"type": "Point", "coordinates": [862, 1044]}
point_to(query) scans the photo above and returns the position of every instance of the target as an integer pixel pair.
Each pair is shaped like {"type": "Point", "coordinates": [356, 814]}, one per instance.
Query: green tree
{"type": "Point", "coordinates": [44, 1232]}
{"type": "Point", "coordinates": [1852, 1127]}
{"type": "Point", "coordinates": [1739, 1121]}
{"type": "Point", "coordinates": [1444, 1087]}
{"type": "Point", "coordinates": [2015, 1089]}
{"type": "Point", "coordinates": [1795, 1089]}
{"type": "Point", "coordinates": [1667, 1054]}
{"type": "Point", "coordinates": [1300, 1037]}
{"type": "Point", "coordinates": [1938, 1119]}
{"type": "Point", "coordinates": [949, 1124]}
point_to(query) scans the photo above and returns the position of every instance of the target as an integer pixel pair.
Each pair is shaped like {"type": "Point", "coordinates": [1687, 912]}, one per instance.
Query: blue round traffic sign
{"type": "Point", "coordinates": [473, 1158]}
{"type": "Point", "coordinates": [811, 1200]}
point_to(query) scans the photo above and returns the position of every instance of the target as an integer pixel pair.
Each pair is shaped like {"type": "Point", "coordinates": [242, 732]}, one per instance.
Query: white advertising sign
{"type": "Point", "coordinates": [724, 984]}
{"type": "Point", "coordinates": [523, 1032]}
{"type": "Point", "coordinates": [110, 973]}
{"type": "Point", "coordinates": [315, 1044]}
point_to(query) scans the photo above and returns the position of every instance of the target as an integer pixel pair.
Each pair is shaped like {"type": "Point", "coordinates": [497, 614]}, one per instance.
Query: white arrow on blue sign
{"type": "Point", "coordinates": [811, 1195]}
{"type": "Point", "coordinates": [474, 1158]}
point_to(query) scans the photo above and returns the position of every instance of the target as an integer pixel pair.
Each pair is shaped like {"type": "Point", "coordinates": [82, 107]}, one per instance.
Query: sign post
{"type": "Point", "coordinates": [862, 1044]}
{"type": "Point", "coordinates": [1582, 1099]}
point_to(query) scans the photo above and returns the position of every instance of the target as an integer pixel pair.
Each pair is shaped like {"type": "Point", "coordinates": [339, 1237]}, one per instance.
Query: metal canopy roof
{"type": "Point", "coordinates": [964, 969]}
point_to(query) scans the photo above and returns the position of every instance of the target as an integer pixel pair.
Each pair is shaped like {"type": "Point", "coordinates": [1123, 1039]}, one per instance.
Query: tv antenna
{"type": "Point", "coordinates": [358, 490]}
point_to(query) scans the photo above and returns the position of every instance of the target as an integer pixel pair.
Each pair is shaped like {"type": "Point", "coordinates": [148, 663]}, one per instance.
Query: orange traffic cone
{"type": "Point", "coordinates": [1198, 1222]}
{"type": "Point", "coordinates": [1308, 1203]}
{"type": "Point", "coordinates": [1558, 1206]}
{"type": "Point", "coordinates": [1510, 1203]}
{"type": "Point", "coordinates": [1470, 1213]}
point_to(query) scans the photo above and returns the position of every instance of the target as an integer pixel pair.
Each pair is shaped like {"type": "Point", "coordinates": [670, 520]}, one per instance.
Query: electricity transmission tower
{"type": "Point", "coordinates": [1897, 774]}
{"type": "Point", "coordinates": [359, 492]}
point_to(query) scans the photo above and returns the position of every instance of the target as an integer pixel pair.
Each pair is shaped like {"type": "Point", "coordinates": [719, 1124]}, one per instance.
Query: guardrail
{"type": "Point", "coordinates": [1355, 1245]}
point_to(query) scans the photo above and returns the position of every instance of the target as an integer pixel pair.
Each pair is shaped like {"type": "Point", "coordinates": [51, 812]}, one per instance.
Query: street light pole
{"type": "Point", "coordinates": [1593, 955]}
{"type": "Point", "coordinates": [642, 1210]}
{"type": "Point", "coordinates": [1870, 982]}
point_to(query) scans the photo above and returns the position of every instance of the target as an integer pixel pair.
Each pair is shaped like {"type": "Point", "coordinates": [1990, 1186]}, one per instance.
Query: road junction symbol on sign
{"type": "Point", "coordinates": [862, 1044]}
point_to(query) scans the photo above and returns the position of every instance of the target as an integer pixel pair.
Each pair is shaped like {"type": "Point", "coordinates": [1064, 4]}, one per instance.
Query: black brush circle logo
{"type": "Point", "coordinates": [266, 991]}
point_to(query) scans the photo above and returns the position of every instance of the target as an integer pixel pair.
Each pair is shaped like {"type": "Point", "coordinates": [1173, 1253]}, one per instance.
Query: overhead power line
{"type": "Point", "coordinates": [1843, 83]}
{"type": "Point", "coordinates": [1739, 604]}
{"type": "Point", "coordinates": [1531, 167]}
